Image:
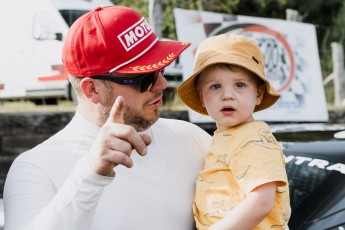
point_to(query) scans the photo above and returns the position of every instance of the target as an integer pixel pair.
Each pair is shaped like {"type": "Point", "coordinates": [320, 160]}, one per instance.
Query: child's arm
{"type": "Point", "coordinates": [251, 211]}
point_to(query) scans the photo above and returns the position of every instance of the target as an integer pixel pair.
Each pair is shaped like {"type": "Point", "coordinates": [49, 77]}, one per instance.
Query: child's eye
{"type": "Point", "coordinates": [215, 86]}
{"type": "Point", "coordinates": [240, 85]}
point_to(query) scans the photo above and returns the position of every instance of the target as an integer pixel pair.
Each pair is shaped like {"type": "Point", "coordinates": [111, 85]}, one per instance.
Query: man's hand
{"type": "Point", "coordinates": [115, 143]}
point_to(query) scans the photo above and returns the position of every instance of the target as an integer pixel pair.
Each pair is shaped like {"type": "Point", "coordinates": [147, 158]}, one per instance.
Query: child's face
{"type": "Point", "coordinates": [229, 96]}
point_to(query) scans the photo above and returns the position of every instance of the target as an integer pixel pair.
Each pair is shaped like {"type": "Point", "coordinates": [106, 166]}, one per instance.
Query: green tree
{"type": "Point", "coordinates": [139, 5]}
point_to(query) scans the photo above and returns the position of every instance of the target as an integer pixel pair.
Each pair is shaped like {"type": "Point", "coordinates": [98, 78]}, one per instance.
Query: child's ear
{"type": "Point", "coordinates": [260, 94]}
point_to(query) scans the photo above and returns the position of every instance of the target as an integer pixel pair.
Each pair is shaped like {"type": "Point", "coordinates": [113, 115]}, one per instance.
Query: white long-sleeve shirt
{"type": "Point", "coordinates": [52, 187]}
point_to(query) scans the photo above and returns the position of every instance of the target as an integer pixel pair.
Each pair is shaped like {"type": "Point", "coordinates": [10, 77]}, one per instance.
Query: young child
{"type": "Point", "coordinates": [244, 183]}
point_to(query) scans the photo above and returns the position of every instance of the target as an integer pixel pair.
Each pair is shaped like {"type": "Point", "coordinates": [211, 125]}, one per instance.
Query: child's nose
{"type": "Point", "coordinates": [228, 94]}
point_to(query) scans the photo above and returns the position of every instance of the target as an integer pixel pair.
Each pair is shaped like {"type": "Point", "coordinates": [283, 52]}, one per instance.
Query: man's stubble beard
{"type": "Point", "coordinates": [131, 116]}
{"type": "Point", "coordinates": [134, 118]}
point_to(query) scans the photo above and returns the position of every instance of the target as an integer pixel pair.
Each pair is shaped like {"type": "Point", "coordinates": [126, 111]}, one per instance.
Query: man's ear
{"type": "Point", "coordinates": [90, 89]}
{"type": "Point", "coordinates": [260, 93]}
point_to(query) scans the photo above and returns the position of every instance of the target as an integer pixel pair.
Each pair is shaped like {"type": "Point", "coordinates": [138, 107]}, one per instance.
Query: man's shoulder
{"type": "Point", "coordinates": [56, 148]}
{"type": "Point", "coordinates": [180, 129]}
{"type": "Point", "coordinates": [181, 132]}
{"type": "Point", "coordinates": [177, 124]}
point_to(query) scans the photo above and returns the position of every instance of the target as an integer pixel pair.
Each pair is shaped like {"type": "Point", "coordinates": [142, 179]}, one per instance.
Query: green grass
{"type": "Point", "coordinates": [27, 106]}
{"type": "Point", "coordinates": [68, 106]}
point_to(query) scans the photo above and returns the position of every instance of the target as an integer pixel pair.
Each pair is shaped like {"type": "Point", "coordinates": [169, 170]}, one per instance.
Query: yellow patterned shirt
{"type": "Point", "coordinates": [239, 160]}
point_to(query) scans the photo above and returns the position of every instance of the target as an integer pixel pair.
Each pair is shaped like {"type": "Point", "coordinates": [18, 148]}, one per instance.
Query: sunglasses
{"type": "Point", "coordinates": [144, 82]}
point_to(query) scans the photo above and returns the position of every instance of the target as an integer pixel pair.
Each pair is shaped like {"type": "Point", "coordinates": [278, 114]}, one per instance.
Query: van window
{"type": "Point", "coordinates": [45, 27]}
{"type": "Point", "coordinates": [71, 15]}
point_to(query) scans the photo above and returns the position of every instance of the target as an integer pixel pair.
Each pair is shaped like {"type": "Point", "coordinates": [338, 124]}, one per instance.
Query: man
{"type": "Point", "coordinates": [92, 174]}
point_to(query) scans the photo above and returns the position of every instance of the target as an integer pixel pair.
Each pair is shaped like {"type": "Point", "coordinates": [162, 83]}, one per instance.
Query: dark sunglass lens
{"type": "Point", "coordinates": [148, 81]}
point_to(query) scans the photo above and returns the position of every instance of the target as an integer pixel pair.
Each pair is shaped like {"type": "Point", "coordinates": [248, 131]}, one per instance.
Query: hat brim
{"type": "Point", "coordinates": [188, 93]}
{"type": "Point", "coordinates": [160, 55]}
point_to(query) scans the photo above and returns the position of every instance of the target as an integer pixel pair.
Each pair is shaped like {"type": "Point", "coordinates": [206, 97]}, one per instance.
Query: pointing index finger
{"type": "Point", "coordinates": [116, 113]}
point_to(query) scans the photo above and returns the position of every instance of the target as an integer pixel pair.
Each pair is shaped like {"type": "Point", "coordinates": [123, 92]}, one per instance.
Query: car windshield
{"type": "Point", "coordinates": [71, 15]}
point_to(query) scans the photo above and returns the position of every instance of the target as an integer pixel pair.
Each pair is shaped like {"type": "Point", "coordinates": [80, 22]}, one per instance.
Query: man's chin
{"type": "Point", "coordinates": [146, 123]}
{"type": "Point", "coordinates": [140, 121]}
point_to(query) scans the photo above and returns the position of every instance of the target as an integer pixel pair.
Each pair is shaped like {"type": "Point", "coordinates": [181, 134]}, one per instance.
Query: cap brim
{"type": "Point", "coordinates": [159, 56]}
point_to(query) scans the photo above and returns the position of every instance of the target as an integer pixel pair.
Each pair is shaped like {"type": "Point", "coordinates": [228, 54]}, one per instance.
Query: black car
{"type": "Point", "coordinates": [315, 164]}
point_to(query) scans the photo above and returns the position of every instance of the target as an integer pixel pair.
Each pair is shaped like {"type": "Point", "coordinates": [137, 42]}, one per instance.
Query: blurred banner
{"type": "Point", "coordinates": [290, 50]}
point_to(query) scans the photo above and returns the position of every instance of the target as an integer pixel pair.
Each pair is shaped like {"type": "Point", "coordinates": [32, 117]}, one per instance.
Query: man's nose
{"type": "Point", "coordinates": [161, 83]}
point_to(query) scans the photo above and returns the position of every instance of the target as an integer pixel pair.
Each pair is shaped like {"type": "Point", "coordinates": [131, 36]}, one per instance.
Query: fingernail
{"type": "Point", "coordinates": [144, 151]}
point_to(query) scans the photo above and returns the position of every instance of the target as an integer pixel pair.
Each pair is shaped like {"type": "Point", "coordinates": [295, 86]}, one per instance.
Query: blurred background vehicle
{"type": "Point", "coordinates": [315, 165]}
{"type": "Point", "coordinates": [31, 68]}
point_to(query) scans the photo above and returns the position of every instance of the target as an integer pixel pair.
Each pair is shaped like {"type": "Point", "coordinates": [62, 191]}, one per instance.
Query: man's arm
{"type": "Point", "coordinates": [31, 200]}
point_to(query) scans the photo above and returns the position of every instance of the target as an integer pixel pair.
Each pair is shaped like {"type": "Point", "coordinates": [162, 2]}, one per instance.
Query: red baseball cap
{"type": "Point", "coordinates": [116, 39]}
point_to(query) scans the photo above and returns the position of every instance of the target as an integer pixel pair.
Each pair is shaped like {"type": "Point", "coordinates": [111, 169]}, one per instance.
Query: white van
{"type": "Point", "coordinates": [31, 44]}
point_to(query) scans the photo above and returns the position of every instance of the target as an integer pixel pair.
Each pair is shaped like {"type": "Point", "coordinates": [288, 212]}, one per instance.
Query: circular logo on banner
{"type": "Point", "coordinates": [278, 55]}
